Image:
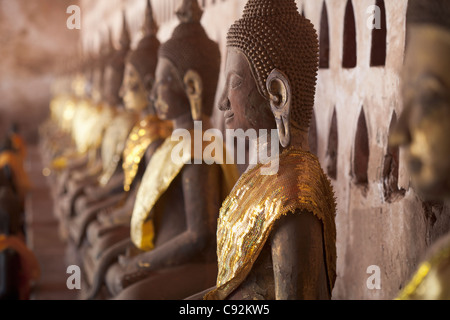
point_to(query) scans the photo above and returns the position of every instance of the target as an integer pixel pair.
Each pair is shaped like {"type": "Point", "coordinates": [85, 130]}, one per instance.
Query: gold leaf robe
{"type": "Point", "coordinates": [257, 201]}
{"type": "Point", "coordinates": [159, 174]}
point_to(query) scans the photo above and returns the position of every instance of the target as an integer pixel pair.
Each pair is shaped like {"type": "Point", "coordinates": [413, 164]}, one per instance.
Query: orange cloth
{"type": "Point", "coordinates": [19, 145]}
{"type": "Point", "coordinates": [30, 269]}
{"type": "Point", "coordinates": [15, 161]}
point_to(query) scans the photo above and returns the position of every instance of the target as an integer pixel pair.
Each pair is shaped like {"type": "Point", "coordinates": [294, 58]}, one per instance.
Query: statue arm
{"type": "Point", "coordinates": [201, 216]}
{"type": "Point", "coordinates": [297, 254]}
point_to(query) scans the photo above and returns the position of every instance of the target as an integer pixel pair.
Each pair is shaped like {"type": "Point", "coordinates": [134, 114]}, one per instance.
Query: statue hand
{"type": "Point", "coordinates": [133, 270]}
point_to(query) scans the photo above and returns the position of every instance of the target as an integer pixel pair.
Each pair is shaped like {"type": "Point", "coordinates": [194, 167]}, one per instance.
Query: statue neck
{"type": "Point", "coordinates": [262, 145]}
{"type": "Point", "coordinates": [299, 139]}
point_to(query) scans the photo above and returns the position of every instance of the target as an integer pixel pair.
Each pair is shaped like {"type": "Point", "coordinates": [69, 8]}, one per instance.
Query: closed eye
{"type": "Point", "coordinates": [235, 81]}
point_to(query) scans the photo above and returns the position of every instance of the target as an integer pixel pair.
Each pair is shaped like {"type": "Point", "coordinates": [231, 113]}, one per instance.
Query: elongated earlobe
{"type": "Point", "coordinates": [280, 96]}
{"type": "Point", "coordinates": [194, 89]}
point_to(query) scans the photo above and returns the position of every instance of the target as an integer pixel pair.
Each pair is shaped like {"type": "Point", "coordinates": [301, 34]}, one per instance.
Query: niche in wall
{"type": "Point", "coordinates": [332, 148]}
{"type": "Point", "coordinates": [361, 151]}
{"type": "Point", "coordinates": [324, 39]}
{"type": "Point", "coordinates": [349, 58]}
{"type": "Point", "coordinates": [391, 165]}
{"type": "Point", "coordinates": [379, 33]}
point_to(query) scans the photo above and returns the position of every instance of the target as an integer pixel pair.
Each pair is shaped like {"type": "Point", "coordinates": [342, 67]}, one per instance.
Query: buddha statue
{"type": "Point", "coordinates": [19, 268]}
{"type": "Point", "coordinates": [423, 130]}
{"type": "Point", "coordinates": [171, 249]}
{"type": "Point", "coordinates": [276, 231]}
{"type": "Point", "coordinates": [112, 226]}
{"type": "Point", "coordinates": [87, 193]}
{"type": "Point", "coordinates": [108, 190]}
{"type": "Point", "coordinates": [60, 142]}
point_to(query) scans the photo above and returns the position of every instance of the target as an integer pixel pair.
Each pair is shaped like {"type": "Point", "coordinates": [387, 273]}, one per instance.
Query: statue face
{"type": "Point", "coordinates": [132, 91]}
{"type": "Point", "coordinates": [244, 107]}
{"type": "Point", "coordinates": [424, 127]}
{"type": "Point", "coordinates": [168, 94]}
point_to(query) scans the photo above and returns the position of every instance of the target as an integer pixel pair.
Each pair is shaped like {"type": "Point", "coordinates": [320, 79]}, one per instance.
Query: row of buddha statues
{"type": "Point", "coordinates": [142, 226]}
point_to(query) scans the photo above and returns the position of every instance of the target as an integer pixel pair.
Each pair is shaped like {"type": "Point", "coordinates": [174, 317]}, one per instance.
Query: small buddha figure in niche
{"type": "Point", "coordinates": [147, 135]}
{"type": "Point", "coordinates": [173, 224]}
{"type": "Point", "coordinates": [423, 130]}
{"type": "Point", "coordinates": [276, 232]}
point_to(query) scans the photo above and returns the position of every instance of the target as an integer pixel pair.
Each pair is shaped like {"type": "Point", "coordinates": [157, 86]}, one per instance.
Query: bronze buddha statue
{"type": "Point", "coordinates": [95, 189]}
{"type": "Point", "coordinates": [276, 232]}
{"type": "Point", "coordinates": [173, 223]}
{"type": "Point", "coordinates": [19, 267]}
{"type": "Point", "coordinates": [149, 132]}
{"type": "Point", "coordinates": [84, 118]}
{"type": "Point", "coordinates": [108, 191]}
{"type": "Point", "coordinates": [423, 131]}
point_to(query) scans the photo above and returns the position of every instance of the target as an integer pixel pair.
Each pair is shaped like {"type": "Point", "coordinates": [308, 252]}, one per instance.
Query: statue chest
{"type": "Point", "coordinates": [170, 217]}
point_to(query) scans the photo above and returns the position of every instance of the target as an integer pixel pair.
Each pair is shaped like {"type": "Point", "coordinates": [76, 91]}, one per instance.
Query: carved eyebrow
{"type": "Point", "coordinates": [234, 73]}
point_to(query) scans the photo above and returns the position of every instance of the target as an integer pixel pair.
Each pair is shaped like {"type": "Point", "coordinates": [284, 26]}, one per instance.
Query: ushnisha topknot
{"type": "Point", "coordinates": [119, 55]}
{"type": "Point", "coordinates": [436, 12]}
{"type": "Point", "coordinates": [116, 66]}
{"type": "Point", "coordinates": [144, 58]}
{"type": "Point", "coordinates": [150, 27]}
{"type": "Point", "coordinates": [272, 34]}
{"type": "Point", "coordinates": [190, 48]}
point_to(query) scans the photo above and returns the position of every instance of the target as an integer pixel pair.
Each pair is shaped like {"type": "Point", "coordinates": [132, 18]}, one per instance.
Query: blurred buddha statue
{"type": "Point", "coordinates": [173, 223]}
{"type": "Point", "coordinates": [108, 189]}
{"type": "Point", "coordinates": [276, 231]}
{"type": "Point", "coordinates": [423, 130]}
{"type": "Point", "coordinates": [73, 113]}
{"type": "Point", "coordinates": [85, 194]}
{"type": "Point", "coordinates": [148, 133]}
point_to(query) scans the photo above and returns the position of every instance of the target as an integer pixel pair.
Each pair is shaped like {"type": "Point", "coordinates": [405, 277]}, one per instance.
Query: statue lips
{"type": "Point", "coordinates": [228, 115]}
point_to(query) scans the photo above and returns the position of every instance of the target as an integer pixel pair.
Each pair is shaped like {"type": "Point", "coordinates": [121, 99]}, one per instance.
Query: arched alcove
{"type": "Point", "coordinates": [379, 34]}
{"type": "Point", "coordinates": [312, 135]}
{"type": "Point", "coordinates": [324, 39]}
{"type": "Point", "coordinates": [391, 166]}
{"type": "Point", "coordinates": [332, 148]}
{"type": "Point", "coordinates": [349, 58]}
{"type": "Point", "coordinates": [361, 151]}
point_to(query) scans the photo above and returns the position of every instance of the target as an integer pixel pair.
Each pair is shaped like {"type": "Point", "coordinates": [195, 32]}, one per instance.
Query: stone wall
{"type": "Point", "coordinates": [33, 37]}
{"type": "Point", "coordinates": [380, 220]}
